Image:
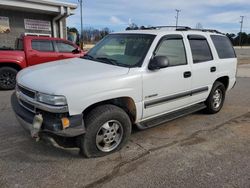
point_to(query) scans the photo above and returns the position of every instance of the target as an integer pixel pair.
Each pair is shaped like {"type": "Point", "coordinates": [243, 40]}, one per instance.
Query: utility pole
{"type": "Point", "coordinates": [241, 26]}
{"type": "Point", "coordinates": [81, 35]}
{"type": "Point", "coordinates": [177, 16]}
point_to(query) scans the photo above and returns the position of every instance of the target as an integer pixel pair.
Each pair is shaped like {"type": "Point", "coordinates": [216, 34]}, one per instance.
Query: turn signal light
{"type": "Point", "coordinates": [65, 123]}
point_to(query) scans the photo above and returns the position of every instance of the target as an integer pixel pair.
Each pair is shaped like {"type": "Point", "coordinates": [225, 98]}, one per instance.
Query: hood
{"type": "Point", "coordinates": [50, 77]}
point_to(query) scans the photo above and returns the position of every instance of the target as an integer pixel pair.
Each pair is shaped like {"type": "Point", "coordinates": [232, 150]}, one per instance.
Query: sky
{"type": "Point", "coordinates": [223, 15]}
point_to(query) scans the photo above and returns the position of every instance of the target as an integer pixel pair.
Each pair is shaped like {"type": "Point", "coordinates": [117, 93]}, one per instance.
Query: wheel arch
{"type": "Point", "coordinates": [126, 103]}
{"type": "Point", "coordinates": [12, 65]}
{"type": "Point", "coordinates": [224, 80]}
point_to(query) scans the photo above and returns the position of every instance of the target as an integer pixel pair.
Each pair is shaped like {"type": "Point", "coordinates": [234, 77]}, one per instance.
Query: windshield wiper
{"type": "Point", "coordinates": [87, 56]}
{"type": "Point", "coordinates": [108, 60]}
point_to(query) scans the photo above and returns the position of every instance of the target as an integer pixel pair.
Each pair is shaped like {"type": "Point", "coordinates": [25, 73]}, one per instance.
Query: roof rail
{"type": "Point", "coordinates": [158, 27]}
{"type": "Point", "coordinates": [169, 26]}
{"type": "Point", "coordinates": [177, 28]}
{"type": "Point", "coordinates": [203, 30]}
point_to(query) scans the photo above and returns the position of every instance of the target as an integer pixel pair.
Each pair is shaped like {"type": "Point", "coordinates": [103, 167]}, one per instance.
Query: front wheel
{"type": "Point", "coordinates": [108, 128]}
{"type": "Point", "coordinates": [216, 98]}
{"type": "Point", "coordinates": [7, 78]}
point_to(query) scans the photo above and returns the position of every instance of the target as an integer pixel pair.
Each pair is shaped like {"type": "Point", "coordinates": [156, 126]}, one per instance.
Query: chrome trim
{"type": "Point", "coordinates": [45, 107]}
{"type": "Point", "coordinates": [170, 98]}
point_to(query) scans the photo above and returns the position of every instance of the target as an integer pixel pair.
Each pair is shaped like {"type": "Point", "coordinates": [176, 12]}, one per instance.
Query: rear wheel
{"type": "Point", "coordinates": [216, 98]}
{"type": "Point", "coordinates": [7, 78]}
{"type": "Point", "coordinates": [108, 128]}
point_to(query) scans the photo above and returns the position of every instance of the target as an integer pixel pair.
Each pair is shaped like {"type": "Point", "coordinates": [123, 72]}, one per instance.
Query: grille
{"type": "Point", "coordinates": [27, 92]}
{"type": "Point", "coordinates": [27, 106]}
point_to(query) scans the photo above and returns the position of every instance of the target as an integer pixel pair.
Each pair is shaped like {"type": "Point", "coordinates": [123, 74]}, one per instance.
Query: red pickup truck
{"type": "Point", "coordinates": [32, 50]}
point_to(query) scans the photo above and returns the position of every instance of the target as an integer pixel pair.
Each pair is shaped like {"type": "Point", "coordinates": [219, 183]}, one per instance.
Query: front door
{"type": "Point", "coordinates": [167, 89]}
{"type": "Point", "coordinates": [66, 50]}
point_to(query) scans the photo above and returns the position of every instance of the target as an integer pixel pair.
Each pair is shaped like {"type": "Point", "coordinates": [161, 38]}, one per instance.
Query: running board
{"type": "Point", "coordinates": [170, 116]}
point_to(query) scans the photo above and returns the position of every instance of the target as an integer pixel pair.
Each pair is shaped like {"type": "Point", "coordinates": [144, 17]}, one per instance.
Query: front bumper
{"type": "Point", "coordinates": [51, 121]}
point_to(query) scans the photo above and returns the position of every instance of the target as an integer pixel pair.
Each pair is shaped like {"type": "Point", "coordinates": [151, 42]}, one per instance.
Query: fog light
{"type": "Point", "coordinates": [65, 123]}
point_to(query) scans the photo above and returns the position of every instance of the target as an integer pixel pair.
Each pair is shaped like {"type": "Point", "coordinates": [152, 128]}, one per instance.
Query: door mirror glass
{"type": "Point", "coordinates": [158, 62]}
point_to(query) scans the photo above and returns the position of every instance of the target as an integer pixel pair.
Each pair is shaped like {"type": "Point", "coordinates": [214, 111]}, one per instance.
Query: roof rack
{"type": "Point", "coordinates": [203, 30]}
{"type": "Point", "coordinates": [177, 28]}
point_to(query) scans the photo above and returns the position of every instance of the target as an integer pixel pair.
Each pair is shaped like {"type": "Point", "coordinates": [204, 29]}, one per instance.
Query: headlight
{"type": "Point", "coordinates": [51, 99]}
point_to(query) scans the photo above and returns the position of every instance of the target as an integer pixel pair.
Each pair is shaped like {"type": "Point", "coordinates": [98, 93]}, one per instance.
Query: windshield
{"type": "Point", "coordinates": [128, 50]}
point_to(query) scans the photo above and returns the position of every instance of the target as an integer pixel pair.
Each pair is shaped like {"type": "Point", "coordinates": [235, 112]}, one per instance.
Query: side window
{"type": "Point", "coordinates": [223, 47]}
{"type": "Point", "coordinates": [42, 45]}
{"type": "Point", "coordinates": [64, 47]}
{"type": "Point", "coordinates": [200, 49]}
{"type": "Point", "coordinates": [174, 49]}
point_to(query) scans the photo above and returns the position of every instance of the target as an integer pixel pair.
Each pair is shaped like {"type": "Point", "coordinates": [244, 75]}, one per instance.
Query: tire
{"type": "Point", "coordinates": [7, 78]}
{"type": "Point", "coordinates": [108, 128]}
{"type": "Point", "coordinates": [216, 98]}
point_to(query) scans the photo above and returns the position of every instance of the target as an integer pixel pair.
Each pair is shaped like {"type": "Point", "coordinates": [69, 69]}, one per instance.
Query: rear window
{"type": "Point", "coordinates": [223, 47]}
{"type": "Point", "coordinates": [200, 49]}
{"type": "Point", "coordinates": [42, 45]}
{"type": "Point", "coordinates": [19, 44]}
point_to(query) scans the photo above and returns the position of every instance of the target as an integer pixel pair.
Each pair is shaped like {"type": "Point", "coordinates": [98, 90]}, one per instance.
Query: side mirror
{"type": "Point", "coordinates": [158, 62]}
{"type": "Point", "coordinates": [76, 51]}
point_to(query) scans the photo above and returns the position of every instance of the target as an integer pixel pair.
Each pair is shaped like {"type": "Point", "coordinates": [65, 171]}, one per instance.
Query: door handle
{"type": "Point", "coordinates": [187, 74]}
{"type": "Point", "coordinates": [212, 69]}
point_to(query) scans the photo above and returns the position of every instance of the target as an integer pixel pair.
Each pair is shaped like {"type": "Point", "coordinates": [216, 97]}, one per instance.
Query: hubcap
{"type": "Point", "coordinates": [217, 98]}
{"type": "Point", "coordinates": [7, 79]}
{"type": "Point", "coordinates": [109, 136]}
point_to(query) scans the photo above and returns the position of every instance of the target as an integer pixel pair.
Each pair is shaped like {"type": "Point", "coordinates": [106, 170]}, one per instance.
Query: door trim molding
{"type": "Point", "coordinates": [151, 103]}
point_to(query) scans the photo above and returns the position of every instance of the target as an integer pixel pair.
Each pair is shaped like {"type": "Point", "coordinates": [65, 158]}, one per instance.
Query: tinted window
{"type": "Point", "coordinates": [174, 50]}
{"type": "Point", "coordinates": [42, 45]}
{"type": "Point", "coordinates": [200, 50]}
{"type": "Point", "coordinates": [64, 47]}
{"type": "Point", "coordinates": [223, 47]}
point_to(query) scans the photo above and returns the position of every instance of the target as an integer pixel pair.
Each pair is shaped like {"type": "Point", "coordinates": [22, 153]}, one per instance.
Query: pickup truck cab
{"type": "Point", "coordinates": [137, 78]}
{"type": "Point", "coordinates": [33, 50]}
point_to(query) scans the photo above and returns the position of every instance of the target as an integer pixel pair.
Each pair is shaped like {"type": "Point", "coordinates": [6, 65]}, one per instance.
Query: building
{"type": "Point", "coordinates": [32, 17]}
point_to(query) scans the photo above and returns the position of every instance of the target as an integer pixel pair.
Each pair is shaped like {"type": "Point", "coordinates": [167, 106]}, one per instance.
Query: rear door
{"type": "Point", "coordinates": [41, 51]}
{"type": "Point", "coordinates": [203, 67]}
{"type": "Point", "coordinates": [167, 89]}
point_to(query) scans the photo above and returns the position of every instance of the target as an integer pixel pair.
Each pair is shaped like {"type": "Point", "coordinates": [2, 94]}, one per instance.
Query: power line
{"type": "Point", "coordinates": [177, 16]}
{"type": "Point", "coordinates": [241, 26]}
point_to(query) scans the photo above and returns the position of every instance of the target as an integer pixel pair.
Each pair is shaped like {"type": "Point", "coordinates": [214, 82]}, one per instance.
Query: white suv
{"type": "Point", "coordinates": [140, 77]}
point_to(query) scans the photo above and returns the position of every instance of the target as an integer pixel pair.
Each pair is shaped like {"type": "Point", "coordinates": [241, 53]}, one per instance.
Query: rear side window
{"type": "Point", "coordinates": [200, 49]}
{"type": "Point", "coordinates": [42, 45]}
{"type": "Point", "coordinates": [223, 47]}
{"type": "Point", "coordinates": [64, 47]}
